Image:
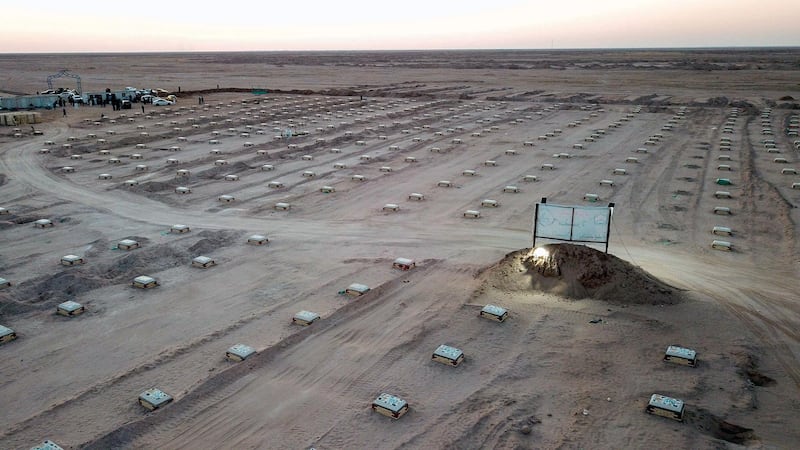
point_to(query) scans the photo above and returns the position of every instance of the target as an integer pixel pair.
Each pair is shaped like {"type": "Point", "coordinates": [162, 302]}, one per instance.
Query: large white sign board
{"type": "Point", "coordinates": [572, 223]}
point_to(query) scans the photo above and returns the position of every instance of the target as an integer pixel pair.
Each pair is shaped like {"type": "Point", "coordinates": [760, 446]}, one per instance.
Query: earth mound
{"type": "Point", "coordinates": [577, 272]}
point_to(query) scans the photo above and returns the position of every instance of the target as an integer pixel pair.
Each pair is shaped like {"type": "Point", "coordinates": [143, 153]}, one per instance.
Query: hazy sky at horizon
{"type": "Point", "coordinates": [147, 25]}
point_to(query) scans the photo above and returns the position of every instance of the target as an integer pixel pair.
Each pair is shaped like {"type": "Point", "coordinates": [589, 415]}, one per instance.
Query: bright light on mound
{"type": "Point", "coordinates": [540, 252]}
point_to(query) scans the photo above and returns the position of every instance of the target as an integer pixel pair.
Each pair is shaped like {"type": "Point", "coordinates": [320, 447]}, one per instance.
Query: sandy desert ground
{"type": "Point", "coordinates": [579, 356]}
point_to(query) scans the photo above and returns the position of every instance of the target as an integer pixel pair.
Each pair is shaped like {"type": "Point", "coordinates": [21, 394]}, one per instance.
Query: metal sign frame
{"type": "Point", "coordinates": [536, 221]}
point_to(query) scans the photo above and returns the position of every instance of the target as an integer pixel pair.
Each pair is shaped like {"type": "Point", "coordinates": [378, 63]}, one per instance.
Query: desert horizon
{"type": "Point", "coordinates": [387, 198]}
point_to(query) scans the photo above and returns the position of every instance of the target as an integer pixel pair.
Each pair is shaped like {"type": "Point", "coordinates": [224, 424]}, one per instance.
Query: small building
{"type": "Point", "coordinates": [128, 244]}
{"type": "Point", "coordinates": [448, 355]}
{"type": "Point", "coordinates": [472, 214]}
{"type": "Point", "coordinates": [493, 312]}
{"type": "Point", "coordinates": [257, 239]}
{"type": "Point", "coordinates": [356, 289]}
{"type": "Point", "coordinates": [72, 260]}
{"type": "Point", "coordinates": [153, 399]}
{"type": "Point", "coordinates": [305, 318]}
{"type": "Point", "coordinates": [404, 264]}
{"type": "Point", "coordinates": [722, 194]}
{"type": "Point", "coordinates": [47, 445]}
{"type": "Point", "coordinates": [7, 334]}
{"type": "Point", "coordinates": [203, 262]}
{"type": "Point", "coordinates": [722, 231]}
{"type": "Point", "coordinates": [179, 229]}
{"type": "Point", "coordinates": [721, 245]}
{"type": "Point", "coordinates": [681, 355]}
{"type": "Point", "coordinates": [43, 223]}
{"type": "Point", "coordinates": [144, 282]}
{"type": "Point", "coordinates": [70, 308]}
{"type": "Point", "coordinates": [390, 406]}
{"type": "Point", "coordinates": [669, 407]}
{"type": "Point", "coordinates": [239, 352]}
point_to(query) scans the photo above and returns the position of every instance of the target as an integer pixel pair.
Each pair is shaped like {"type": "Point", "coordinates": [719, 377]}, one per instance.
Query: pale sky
{"type": "Point", "coordinates": [147, 25]}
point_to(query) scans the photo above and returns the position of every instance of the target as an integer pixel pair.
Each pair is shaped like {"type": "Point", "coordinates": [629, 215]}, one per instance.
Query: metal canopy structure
{"type": "Point", "coordinates": [62, 74]}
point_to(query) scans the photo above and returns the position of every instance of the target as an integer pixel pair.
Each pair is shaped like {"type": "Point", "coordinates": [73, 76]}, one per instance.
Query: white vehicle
{"type": "Point", "coordinates": [158, 101]}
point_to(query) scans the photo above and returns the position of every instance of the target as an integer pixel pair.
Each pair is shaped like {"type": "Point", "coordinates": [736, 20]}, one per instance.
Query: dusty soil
{"type": "Point", "coordinates": [581, 352]}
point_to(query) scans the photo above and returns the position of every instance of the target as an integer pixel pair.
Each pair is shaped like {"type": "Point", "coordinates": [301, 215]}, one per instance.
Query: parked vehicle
{"type": "Point", "coordinates": [158, 101]}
